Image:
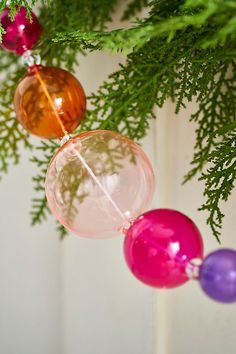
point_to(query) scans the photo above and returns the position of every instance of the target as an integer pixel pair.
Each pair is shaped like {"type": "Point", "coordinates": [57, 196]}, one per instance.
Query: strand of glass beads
{"type": "Point", "coordinates": [99, 182]}
{"type": "Point", "coordinates": [49, 101]}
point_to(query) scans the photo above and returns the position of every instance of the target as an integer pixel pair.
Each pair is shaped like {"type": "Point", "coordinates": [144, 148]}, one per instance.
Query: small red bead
{"type": "Point", "coordinates": [21, 34]}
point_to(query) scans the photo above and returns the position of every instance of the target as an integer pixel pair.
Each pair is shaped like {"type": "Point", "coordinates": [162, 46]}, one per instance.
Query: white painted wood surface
{"type": "Point", "coordinates": [186, 321]}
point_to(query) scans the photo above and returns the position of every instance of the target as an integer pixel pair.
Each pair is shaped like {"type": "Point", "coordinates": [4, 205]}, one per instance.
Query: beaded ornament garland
{"type": "Point", "coordinates": [99, 182]}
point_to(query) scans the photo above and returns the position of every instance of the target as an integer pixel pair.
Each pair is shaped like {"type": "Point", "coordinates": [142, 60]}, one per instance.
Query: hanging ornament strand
{"type": "Point", "coordinates": [99, 182]}
{"type": "Point", "coordinates": [36, 69]}
{"type": "Point", "coordinates": [49, 102]}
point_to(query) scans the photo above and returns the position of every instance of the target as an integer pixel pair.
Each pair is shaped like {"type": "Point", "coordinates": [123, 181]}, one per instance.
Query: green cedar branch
{"type": "Point", "coordinates": [220, 16]}
{"type": "Point", "coordinates": [62, 231]}
{"type": "Point", "coordinates": [87, 15]}
{"type": "Point", "coordinates": [220, 179]}
{"type": "Point", "coordinates": [40, 208]}
{"type": "Point", "coordinates": [217, 108]}
{"type": "Point", "coordinates": [133, 7]}
{"type": "Point", "coordinates": [14, 5]}
{"type": "Point", "coordinates": [11, 132]}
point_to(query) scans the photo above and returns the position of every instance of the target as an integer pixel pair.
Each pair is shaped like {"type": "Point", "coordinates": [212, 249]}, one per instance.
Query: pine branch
{"type": "Point", "coordinates": [40, 208]}
{"type": "Point", "coordinates": [218, 15]}
{"type": "Point", "coordinates": [13, 136]}
{"type": "Point", "coordinates": [86, 14]}
{"type": "Point", "coordinates": [125, 102]}
{"type": "Point", "coordinates": [133, 7]}
{"type": "Point", "coordinates": [220, 180]}
{"type": "Point", "coordinates": [62, 231]}
{"type": "Point", "coordinates": [14, 5]}
{"type": "Point", "coordinates": [217, 108]}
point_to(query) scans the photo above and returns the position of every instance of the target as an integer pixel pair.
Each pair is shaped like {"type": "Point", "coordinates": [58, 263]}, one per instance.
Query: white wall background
{"type": "Point", "coordinates": [186, 321]}
{"type": "Point", "coordinates": [77, 296]}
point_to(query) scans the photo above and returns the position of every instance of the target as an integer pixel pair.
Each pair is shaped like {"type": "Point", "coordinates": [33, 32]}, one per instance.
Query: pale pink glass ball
{"type": "Point", "coordinates": [159, 245]}
{"type": "Point", "coordinates": [98, 180]}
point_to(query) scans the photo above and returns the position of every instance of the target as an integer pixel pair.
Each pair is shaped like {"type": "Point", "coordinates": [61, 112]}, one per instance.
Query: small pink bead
{"type": "Point", "coordinates": [158, 246]}
{"type": "Point", "coordinates": [21, 34]}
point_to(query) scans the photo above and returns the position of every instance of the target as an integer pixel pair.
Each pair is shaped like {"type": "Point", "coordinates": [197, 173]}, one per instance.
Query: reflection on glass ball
{"type": "Point", "coordinates": [49, 101]}
{"type": "Point", "coordinates": [98, 180]}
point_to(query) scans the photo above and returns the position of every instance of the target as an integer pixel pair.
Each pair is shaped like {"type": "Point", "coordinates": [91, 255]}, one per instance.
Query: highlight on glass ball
{"type": "Point", "coordinates": [21, 34]}
{"type": "Point", "coordinates": [159, 245]}
{"type": "Point", "coordinates": [49, 102]}
{"type": "Point", "coordinates": [97, 182]}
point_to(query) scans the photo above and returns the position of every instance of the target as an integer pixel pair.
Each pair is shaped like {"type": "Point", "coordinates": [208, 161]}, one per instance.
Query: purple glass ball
{"type": "Point", "coordinates": [218, 275]}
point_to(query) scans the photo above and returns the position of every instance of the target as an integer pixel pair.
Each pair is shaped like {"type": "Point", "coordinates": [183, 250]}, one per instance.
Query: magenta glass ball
{"type": "Point", "coordinates": [21, 34]}
{"type": "Point", "coordinates": [159, 245]}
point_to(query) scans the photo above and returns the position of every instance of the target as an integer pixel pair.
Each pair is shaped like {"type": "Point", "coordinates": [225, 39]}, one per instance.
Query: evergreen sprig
{"type": "Point", "coordinates": [15, 4]}
{"type": "Point", "coordinates": [133, 7]}
{"type": "Point", "coordinates": [69, 14]}
{"type": "Point", "coordinates": [217, 108]}
{"type": "Point", "coordinates": [183, 50]}
{"type": "Point", "coordinates": [218, 15]}
{"type": "Point", "coordinates": [220, 179]}
{"type": "Point", "coordinates": [39, 205]}
{"type": "Point", "coordinates": [40, 210]}
{"type": "Point", "coordinates": [13, 136]}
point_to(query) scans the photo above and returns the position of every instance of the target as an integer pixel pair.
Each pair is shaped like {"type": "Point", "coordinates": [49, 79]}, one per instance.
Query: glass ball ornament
{"type": "Point", "coordinates": [218, 275]}
{"type": "Point", "coordinates": [159, 245]}
{"type": "Point", "coordinates": [97, 182]}
{"type": "Point", "coordinates": [21, 33]}
{"type": "Point", "coordinates": [49, 102]}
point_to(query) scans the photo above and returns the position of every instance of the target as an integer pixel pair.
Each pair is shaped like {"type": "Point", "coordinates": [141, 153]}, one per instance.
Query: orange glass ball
{"type": "Point", "coordinates": [49, 102]}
